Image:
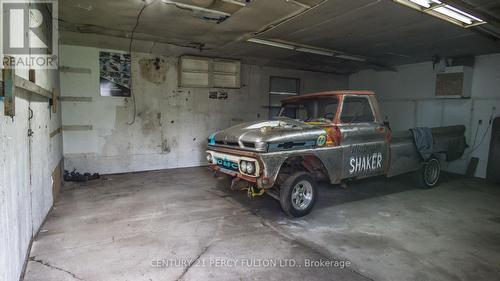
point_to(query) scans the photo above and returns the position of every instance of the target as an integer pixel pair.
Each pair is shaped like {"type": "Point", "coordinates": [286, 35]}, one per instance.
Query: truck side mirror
{"type": "Point", "coordinates": [386, 122]}
{"type": "Point", "coordinates": [387, 125]}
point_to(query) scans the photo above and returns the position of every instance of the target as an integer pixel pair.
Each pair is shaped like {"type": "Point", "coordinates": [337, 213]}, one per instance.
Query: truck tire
{"type": "Point", "coordinates": [428, 175]}
{"type": "Point", "coordinates": [298, 194]}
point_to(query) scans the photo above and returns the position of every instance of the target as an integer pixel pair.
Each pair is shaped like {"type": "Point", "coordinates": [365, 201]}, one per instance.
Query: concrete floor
{"type": "Point", "coordinates": [148, 226]}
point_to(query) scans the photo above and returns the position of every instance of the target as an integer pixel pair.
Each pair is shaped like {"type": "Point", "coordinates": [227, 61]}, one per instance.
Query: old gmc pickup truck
{"type": "Point", "coordinates": [334, 136]}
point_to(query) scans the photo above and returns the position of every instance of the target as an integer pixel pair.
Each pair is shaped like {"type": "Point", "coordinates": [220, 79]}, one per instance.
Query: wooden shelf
{"type": "Point", "coordinates": [32, 87]}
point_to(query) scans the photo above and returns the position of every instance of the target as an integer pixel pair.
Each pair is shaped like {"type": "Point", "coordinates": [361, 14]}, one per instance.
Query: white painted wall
{"type": "Point", "coordinates": [177, 119]}
{"type": "Point", "coordinates": [407, 99]}
{"type": "Point", "coordinates": [26, 179]}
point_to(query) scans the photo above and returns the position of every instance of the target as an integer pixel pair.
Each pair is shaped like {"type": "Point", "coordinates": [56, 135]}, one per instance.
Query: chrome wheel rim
{"type": "Point", "coordinates": [302, 195]}
{"type": "Point", "coordinates": [432, 172]}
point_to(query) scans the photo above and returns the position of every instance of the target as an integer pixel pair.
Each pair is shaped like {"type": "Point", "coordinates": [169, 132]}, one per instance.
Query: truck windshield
{"type": "Point", "coordinates": [314, 110]}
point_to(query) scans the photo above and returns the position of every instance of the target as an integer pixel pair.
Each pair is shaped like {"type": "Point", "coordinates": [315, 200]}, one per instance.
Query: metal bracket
{"type": "Point", "coordinates": [30, 113]}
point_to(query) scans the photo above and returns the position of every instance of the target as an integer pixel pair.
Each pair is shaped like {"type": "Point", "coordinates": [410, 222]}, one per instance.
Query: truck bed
{"type": "Point", "coordinates": [449, 142]}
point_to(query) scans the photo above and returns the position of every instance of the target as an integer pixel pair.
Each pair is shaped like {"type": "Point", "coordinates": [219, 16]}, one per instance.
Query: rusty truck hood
{"type": "Point", "coordinates": [272, 135]}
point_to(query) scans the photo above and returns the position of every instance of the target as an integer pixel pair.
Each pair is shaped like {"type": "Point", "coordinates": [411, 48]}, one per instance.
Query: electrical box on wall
{"type": "Point", "coordinates": [454, 82]}
{"type": "Point", "coordinates": [202, 72]}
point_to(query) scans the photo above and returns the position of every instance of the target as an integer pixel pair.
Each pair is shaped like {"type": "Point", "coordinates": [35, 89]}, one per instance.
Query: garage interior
{"type": "Point", "coordinates": [156, 212]}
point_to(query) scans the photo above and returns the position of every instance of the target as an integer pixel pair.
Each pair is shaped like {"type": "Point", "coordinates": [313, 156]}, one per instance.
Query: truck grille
{"type": "Point", "coordinates": [231, 143]}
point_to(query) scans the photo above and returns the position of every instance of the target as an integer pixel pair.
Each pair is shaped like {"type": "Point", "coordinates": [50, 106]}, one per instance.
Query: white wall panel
{"type": "Point", "coordinates": [172, 123]}
{"type": "Point", "coordinates": [408, 99]}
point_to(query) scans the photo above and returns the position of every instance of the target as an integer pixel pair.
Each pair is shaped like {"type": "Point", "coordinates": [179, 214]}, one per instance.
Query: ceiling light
{"type": "Point", "coordinates": [314, 51]}
{"type": "Point", "coordinates": [194, 8]}
{"type": "Point", "coordinates": [235, 2]}
{"type": "Point", "coordinates": [303, 49]}
{"type": "Point", "coordinates": [348, 57]}
{"type": "Point", "coordinates": [423, 3]}
{"type": "Point", "coordinates": [271, 43]}
{"type": "Point", "coordinates": [448, 12]}
{"type": "Point", "coordinates": [463, 13]}
{"type": "Point", "coordinates": [443, 11]}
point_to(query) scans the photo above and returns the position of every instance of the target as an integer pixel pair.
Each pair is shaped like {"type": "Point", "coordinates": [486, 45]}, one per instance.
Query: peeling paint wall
{"type": "Point", "coordinates": [407, 99]}
{"type": "Point", "coordinates": [172, 124]}
{"type": "Point", "coordinates": [26, 177]}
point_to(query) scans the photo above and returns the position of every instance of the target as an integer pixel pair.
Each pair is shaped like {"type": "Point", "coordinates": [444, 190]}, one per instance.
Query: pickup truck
{"type": "Point", "coordinates": [335, 136]}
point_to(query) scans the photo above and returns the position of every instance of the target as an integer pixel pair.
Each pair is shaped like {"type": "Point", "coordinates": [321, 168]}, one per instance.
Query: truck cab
{"type": "Point", "coordinates": [351, 119]}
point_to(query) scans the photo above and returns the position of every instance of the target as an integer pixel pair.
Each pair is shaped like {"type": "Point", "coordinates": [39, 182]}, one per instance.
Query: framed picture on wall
{"type": "Point", "coordinates": [114, 74]}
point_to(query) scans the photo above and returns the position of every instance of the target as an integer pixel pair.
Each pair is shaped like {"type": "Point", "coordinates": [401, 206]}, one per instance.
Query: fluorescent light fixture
{"type": "Point", "coordinates": [423, 3]}
{"type": "Point", "coordinates": [194, 8]}
{"type": "Point", "coordinates": [348, 57]}
{"type": "Point", "coordinates": [443, 11]}
{"type": "Point", "coordinates": [271, 43]}
{"type": "Point", "coordinates": [314, 51]}
{"type": "Point", "coordinates": [303, 49]}
{"type": "Point", "coordinates": [235, 2]}
{"type": "Point", "coordinates": [449, 12]}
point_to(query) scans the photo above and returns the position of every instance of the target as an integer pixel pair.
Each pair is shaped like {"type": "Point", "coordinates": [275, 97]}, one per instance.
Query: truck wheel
{"type": "Point", "coordinates": [298, 194]}
{"type": "Point", "coordinates": [428, 175]}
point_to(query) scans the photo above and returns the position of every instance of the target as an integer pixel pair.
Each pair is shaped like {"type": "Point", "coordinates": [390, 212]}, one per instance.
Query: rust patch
{"type": "Point", "coordinates": [154, 69]}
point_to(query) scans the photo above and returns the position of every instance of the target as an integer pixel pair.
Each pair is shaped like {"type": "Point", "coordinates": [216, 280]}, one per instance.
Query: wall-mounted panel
{"type": "Point", "coordinates": [454, 82]}
{"type": "Point", "coordinates": [202, 72]}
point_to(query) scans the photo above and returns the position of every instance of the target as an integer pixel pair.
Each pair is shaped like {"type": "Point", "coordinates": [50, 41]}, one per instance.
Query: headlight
{"type": "Point", "coordinates": [209, 158]}
{"type": "Point", "coordinates": [247, 167]}
{"type": "Point", "coordinates": [243, 166]}
{"type": "Point", "coordinates": [250, 167]}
